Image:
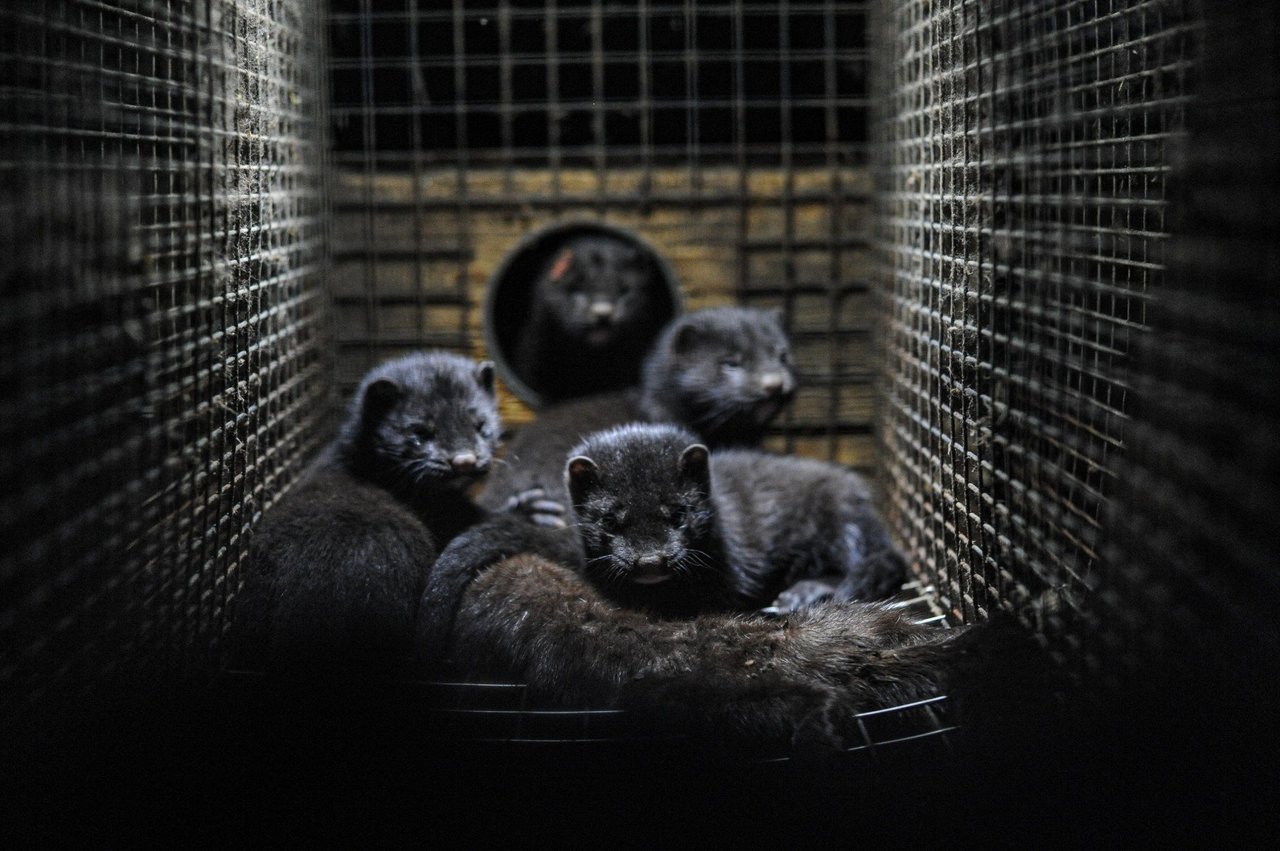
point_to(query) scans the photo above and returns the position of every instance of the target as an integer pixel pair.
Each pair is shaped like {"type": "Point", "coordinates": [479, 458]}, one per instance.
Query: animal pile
{"type": "Point", "coordinates": [633, 548]}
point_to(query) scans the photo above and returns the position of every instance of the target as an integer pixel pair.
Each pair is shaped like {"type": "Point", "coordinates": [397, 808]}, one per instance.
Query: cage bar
{"type": "Point", "coordinates": [161, 316]}
{"type": "Point", "coordinates": [1021, 197]}
{"type": "Point", "coordinates": [1024, 249]}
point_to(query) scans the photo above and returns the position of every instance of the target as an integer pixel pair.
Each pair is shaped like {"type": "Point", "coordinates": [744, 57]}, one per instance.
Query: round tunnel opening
{"type": "Point", "coordinates": [509, 306]}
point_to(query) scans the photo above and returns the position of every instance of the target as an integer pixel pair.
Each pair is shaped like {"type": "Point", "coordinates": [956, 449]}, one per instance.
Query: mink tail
{"type": "Point", "coordinates": [486, 543]}
{"type": "Point", "coordinates": [802, 678]}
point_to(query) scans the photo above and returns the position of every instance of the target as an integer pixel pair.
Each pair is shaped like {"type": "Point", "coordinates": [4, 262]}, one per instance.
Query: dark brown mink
{"type": "Point", "coordinates": [506, 599]}
{"type": "Point", "coordinates": [671, 528]}
{"type": "Point", "coordinates": [591, 320]}
{"type": "Point", "coordinates": [336, 568]}
{"type": "Point", "coordinates": [724, 373]}
{"type": "Point", "coordinates": [801, 677]}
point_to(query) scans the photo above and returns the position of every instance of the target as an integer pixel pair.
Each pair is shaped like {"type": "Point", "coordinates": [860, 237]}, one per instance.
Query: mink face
{"type": "Point", "coordinates": [339, 564]}
{"type": "Point", "coordinates": [595, 310]}
{"type": "Point", "coordinates": [642, 497]}
{"type": "Point", "coordinates": [594, 287]}
{"type": "Point", "coordinates": [725, 373]}
{"type": "Point", "coordinates": [425, 422]}
{"type": "Point", "coordinates": [671, 529]}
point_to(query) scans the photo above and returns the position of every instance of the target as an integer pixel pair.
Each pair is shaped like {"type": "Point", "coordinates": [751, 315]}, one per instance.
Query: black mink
{"type": "Point", "coordinates": [671, 528]}
{"type": "Point", "coordinates": [592, 319]}
{"type": "Point", "coordinates": [336, 568]}
{"type": "Point", "coordinates": [723, 373]}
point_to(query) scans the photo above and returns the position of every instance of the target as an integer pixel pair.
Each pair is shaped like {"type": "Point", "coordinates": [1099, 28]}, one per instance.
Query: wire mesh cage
{"type": "Point", "coordinates": [1023, 251]}
{"type": "Point", "coordinates": [162, 315]}
{"type": "Point", "coordinates": [1022, 215]}
{"type": "Point", "coordinates": [730, 136]}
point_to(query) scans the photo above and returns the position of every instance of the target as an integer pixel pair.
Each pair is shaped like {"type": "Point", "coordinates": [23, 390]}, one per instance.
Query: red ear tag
{"type": "Point", "coordinates": [563, 262]}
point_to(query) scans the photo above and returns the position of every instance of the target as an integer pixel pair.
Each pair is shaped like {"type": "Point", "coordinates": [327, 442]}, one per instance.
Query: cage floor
{"type": "Point", "coordinates": [503, 717]}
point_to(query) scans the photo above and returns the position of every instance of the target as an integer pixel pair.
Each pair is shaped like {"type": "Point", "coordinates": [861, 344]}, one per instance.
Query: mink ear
{"type": "Point", "coordinates": [685, 339]}
{"type": "Point", "coordinates": [695, 465]}
{"type": "Point", "coordinates": [583, 476]}
{"type": "Point", "coordinates": [562, 264]}
{"type": "Point", "coordinates": [380, 395]}
{"type": "Point", "coordinates": [484, 375]}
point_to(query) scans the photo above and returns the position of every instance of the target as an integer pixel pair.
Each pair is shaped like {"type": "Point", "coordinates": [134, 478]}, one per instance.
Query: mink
{"type": "Point", "coordinates": [801, 676]}
{"type": "Point", "coordinates": [723, 372]}
{"type": "Point", "coordinates": [593, 316]}
{"type": "Point", "coordinates": [671, 528]}
{"type": "Point", "coordinates": [337, 566]}
{"type": "Point", "coordinates": [508, 599]}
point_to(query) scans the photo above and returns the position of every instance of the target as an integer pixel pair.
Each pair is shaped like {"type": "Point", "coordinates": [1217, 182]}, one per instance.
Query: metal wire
{"type": "Point", "coordinates": [160, 320]}
{"type": "Point", "coordinates": [1192, 576]}
{"type": "Point", "coordinates": [730, 135]}
{"type": "Point", "coordinates": [1021, 202]}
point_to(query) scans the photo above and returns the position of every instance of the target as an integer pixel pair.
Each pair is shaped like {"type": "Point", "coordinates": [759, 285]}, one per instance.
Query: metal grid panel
{"type": "Point", "coordinates": [1183, 638]}
{"type": "Point", "coordinates": [1021, 225]}
{"type": "Point", "coordinates": [159, 316]}
{"type": "Point", "coordinates": [1193, 576]}
{"type": "Point", "coordinates": [730, 135]}
{"type": "Point", "coordinates": [547, 83]}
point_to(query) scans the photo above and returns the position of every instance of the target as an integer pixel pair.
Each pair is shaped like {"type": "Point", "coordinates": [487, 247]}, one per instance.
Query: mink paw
{"type": "Point", "coordinates": [801, 595]}
{"type": "Point", "coordinates": [537, 509]}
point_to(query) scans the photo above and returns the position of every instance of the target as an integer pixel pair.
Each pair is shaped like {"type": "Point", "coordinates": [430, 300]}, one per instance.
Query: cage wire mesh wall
{"type": "Point", "coordinates": [1073, 236]}
{"type": "Point", "coordinates": [729, 135]}
{"type": "Point", "coordinates": [165, 281]}
{"type": "Point", "coordinates": [1187, 609]}
{"type": "Point", "coordinates": [160, 317]}
{"type": "Point", "coordinates": [1021, 221]}
{"type": "Point", "coordinates": [1192, 529]}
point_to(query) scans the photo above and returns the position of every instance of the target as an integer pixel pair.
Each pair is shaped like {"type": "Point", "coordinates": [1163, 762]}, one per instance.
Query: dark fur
{"type": "Point", "coordinates": [722, 373]}
{"type": "Point", "coordinates": [687, 380]}
{"type": "Point", "coordinates": [801, 676]}
{"type": "Point", "coordinates": [733, 530]}
{"type": "Point", "coordinates": [494, 540]}
{"type": "Point", "coordinates": [591, 321]}
{"type": "Point", "coordinates": [337, 567]}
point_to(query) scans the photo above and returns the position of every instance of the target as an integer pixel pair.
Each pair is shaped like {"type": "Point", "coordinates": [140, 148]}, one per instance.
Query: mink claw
{"type": "Point", "coordinates": [550, 521]}
{"type": "Point", "coordinates": [802, 595]}
{"type": "Point", "coordinates": [547, 506]}
{"type": "Point", "coordinates": [534, 505]}
{"type": "Point", "coordinates": [519, 500]}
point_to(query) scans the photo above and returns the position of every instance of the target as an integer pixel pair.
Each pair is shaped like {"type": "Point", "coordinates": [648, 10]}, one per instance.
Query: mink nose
{"type": "Point", "coordinates": [773, 383]}
{"type": "Point", "coordinates": [464, 462]}
{"type": "Point", "coordinates": [652, 561]}
{"type": "Point", "coordinates": [602, 311]}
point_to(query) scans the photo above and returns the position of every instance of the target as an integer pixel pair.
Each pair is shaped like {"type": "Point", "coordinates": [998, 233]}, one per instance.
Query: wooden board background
{"type": "Point", "coordinates": [413, 252]}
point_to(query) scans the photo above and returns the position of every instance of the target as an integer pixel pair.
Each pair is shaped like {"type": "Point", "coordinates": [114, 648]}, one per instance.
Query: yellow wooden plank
{"type": "Point", "coordinates": [466, 225]}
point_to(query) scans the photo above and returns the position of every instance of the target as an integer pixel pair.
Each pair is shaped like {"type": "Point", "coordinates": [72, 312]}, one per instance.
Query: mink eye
{"type": "Point", "coordinates": [482, 427]}
{"type": "Point", "coordinates": [420, 433]}
{"type": "Point", "coordinates": [731, 362]}
{"type": "Point", "coordinates": [784, 357]}
{"type": "Point", "coordinates": [610, 522]}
